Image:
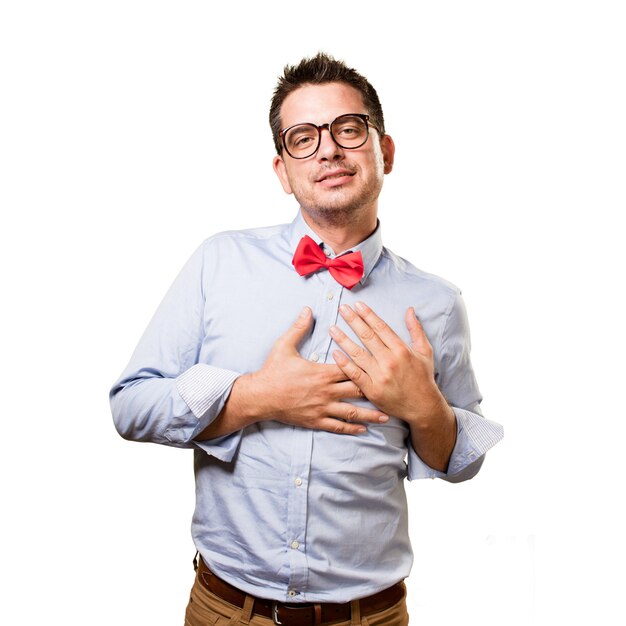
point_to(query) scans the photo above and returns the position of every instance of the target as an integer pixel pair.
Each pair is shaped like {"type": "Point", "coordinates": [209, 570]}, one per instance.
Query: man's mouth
{"type": "Point", "coordinates": [334, 177]}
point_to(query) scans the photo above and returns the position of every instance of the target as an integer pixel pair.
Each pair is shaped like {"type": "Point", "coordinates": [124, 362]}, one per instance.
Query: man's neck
{"type": "Point", "coordinates": [342, 237]}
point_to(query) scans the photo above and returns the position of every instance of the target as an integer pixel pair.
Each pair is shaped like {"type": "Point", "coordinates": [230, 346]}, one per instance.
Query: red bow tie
{"type": "Point", "coordinates": [347, 269]}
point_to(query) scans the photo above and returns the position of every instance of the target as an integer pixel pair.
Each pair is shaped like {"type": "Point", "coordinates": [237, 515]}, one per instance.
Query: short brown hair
{"type": "Point", "coordinates": [318, 70]}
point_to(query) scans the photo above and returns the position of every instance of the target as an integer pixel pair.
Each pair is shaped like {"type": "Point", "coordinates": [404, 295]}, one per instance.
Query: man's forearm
{"type": "Point", "coordinates": [434, 440]}
{"type": "Point", "coordinates": [237, 413]}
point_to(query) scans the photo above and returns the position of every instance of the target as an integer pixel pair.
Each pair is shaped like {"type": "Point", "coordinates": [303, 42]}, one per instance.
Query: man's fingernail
{"type": "Point", "coordinates": [383, 419]}
{"type": "Point", "coordinates": [359, 306]}
{"type": "Point", "coordinates": [305, 312]}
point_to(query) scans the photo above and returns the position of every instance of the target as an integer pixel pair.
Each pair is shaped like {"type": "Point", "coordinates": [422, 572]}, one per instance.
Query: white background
{"type": "Point", "coordinates": [132, 130]}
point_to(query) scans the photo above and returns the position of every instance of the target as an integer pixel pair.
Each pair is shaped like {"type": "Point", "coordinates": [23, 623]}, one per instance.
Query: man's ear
{"type": "Point", "coordinates": [281, 171]}
{"type": "Point", "coordinates": [389, 150]}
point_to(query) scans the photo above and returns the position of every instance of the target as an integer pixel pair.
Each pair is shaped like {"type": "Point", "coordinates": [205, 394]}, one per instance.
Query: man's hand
{"type": "Point", "coordinates": [292, 390]}
{"type": "Point", "coordinates": [398, 379]}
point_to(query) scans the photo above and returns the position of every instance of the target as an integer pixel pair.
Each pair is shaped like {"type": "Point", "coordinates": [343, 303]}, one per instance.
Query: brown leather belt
{"type": "Point", "coordinates": [304, 614]}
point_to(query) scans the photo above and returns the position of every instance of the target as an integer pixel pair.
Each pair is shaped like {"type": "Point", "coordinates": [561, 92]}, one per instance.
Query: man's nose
{"type": "Point", "coordinates": [329, 150]}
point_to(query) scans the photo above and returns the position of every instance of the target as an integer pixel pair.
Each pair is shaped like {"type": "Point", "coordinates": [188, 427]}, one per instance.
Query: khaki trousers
{"type": "Point", "coordinates": [207, 609]}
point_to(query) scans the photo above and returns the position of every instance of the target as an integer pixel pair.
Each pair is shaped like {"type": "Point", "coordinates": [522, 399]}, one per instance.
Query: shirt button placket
{"type": "Point", "coordinates": [325, 314]}
{"type": "Point", "coordinates": [297, 510]}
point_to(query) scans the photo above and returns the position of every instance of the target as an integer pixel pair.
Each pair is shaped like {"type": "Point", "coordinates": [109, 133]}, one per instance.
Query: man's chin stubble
{"type": "Point", "coordinates": [334, 216]}
{"type": "Point", "coordinates": [337, 213]}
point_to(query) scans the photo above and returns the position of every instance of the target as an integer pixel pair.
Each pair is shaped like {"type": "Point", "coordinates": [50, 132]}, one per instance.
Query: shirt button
{"type": "Point", "coordinates": [295, 545]}
{"type": "Point", "coordinates": [315, 357]}
{"type": "Point", "coordinates": [330, 295]}
{"type": "Point", "coordinates": [292, 594]}
{"type": "Point", "coordinates": [327, 252]}
{"type": "Point", "coordinates": [298, 481]}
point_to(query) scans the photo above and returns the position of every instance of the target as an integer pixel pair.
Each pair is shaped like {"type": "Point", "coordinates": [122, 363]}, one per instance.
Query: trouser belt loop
{"type": "Point", "coordinates": [248, 609]}
{"type": "Point", "coordinates": [317, 610]}
{"type": "Point", "coordinates": [355, 613]}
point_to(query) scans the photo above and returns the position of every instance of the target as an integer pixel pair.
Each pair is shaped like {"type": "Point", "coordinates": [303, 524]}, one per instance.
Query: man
{"type": "Point", "coordinates": [304, 430]}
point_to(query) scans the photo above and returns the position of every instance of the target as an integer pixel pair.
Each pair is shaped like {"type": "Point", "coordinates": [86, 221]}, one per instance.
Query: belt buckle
{"type": "Point", "coordinates": [275, 616]}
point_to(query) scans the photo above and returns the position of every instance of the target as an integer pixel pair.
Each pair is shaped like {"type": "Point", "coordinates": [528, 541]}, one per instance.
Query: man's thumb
{"type": "Point", "coordinates": [298, 330]}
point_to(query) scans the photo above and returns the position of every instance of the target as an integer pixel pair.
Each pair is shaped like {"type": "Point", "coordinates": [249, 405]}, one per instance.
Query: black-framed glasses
{"type": "Point", "coordinates": [349, 131]}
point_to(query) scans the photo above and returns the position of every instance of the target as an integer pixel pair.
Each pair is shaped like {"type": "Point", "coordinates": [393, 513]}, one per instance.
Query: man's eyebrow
{"type": "Point", "coordinates": [302, 124]}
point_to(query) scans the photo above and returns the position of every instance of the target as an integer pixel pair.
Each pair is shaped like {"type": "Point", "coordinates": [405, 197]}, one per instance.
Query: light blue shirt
{"type": "Point", "coordinates": [282, 512]}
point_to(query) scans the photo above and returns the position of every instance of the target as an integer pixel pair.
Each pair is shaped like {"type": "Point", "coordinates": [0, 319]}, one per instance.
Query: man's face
{"type": "Point", "coordinates": [335, 186]}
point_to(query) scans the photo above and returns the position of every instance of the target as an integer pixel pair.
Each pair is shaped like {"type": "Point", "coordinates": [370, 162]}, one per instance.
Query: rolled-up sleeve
{"type": "Point", "coordinates": [165, 395]}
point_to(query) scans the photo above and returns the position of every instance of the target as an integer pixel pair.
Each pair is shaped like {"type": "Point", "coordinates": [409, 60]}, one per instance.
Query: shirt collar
{"type": "Point", "coordinates": [371, 248]}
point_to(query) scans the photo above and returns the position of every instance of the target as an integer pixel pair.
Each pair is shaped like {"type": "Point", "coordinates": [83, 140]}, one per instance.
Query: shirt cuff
{"type": "Point", "coordinates": [475, 435]}
{"type": "Point", "coordinates": [205, 389]}
{"type": "Point", "coordinates": [203, 386]}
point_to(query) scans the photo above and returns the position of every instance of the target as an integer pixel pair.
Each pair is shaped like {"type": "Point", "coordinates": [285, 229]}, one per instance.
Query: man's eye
{"type": "Point", "coordinates": [349, 132]}
{"type": "Point", "coordinates": [300, 141]}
